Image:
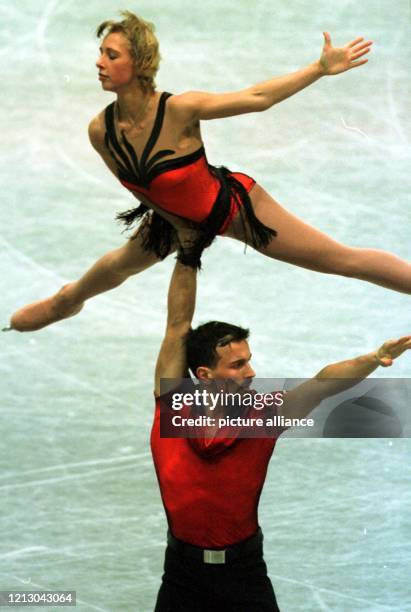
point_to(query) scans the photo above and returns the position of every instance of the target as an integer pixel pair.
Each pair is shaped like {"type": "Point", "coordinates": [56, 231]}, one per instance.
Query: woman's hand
{"type": "Point", "coordinates": [187, 234]}
{"type": "Point", "coordinates": [334, 60]}
{"type": "Point", "coordinates": [392, 349]}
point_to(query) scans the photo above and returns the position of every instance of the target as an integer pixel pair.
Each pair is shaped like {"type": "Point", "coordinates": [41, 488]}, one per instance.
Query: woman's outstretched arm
{"type": "Point", "coordinates": [333, 60]}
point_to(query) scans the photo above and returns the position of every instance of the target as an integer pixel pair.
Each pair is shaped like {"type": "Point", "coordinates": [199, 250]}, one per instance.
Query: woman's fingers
{"type": "Point", "coordinates": [355, 41]}
{"type": "Point", "coordinates": [363, 46]}
{"type": "Point", "coordinates": [358, 54]}
{"type": "Point", "coordinates": [327, 39]}
{"type": "Point", "coordinates": [356, 64]}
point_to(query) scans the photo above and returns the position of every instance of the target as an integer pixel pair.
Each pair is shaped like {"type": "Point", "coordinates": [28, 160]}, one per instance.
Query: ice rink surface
{"type": "Point", "coordinates": [80, 507]}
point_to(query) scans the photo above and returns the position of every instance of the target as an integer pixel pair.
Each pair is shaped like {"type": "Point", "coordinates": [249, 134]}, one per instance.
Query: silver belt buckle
{"type": "Point", "coordinates": [214, 556]}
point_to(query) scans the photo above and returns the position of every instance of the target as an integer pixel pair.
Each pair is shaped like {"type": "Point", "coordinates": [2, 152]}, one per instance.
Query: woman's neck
{"type": "Point", "coordinates": [134, 104]}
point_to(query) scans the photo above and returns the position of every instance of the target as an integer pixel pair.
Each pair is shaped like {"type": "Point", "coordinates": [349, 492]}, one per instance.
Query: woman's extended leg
{"type": "Point", "coordinates": [108, 272]}
{"type": "Point", "coordinates": [302, 245]}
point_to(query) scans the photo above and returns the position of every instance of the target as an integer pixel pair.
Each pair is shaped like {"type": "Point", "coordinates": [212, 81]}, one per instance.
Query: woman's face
{"type": "Point", "coordinates": [115, 64]}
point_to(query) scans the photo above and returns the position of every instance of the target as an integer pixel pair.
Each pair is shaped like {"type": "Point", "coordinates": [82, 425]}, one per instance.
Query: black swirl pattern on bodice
{"type": "Point", "coordinates": [129, 168]}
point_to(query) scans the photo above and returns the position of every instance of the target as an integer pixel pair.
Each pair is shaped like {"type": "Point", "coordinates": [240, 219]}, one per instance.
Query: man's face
{"type": "Point", "coordinates": [233, 363]}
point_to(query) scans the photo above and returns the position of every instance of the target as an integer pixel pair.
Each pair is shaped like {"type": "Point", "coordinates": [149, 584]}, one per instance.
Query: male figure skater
{"type": "Point", "coordinates": [210, 488]}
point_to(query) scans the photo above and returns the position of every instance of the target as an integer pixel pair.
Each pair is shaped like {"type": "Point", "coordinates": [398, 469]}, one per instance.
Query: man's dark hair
{"type": "Point", "coordinates": [201, 343]}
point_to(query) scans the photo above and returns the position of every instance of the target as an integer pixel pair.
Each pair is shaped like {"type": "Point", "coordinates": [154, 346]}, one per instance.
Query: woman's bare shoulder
{"type": "Point", "coordinates": [181, 104]}
{"type": "Point", "coordinates": [97, 131]}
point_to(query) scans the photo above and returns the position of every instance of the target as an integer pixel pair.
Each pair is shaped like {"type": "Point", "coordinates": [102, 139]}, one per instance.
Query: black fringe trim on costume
{"type": "Point", "coordinates": [132, 215]}
{"type": "Point", "coordinates": [160, 235]}
{"type": "Point", "coordinates": [257, 234]}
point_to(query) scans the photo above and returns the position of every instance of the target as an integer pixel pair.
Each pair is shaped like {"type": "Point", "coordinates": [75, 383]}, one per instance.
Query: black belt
{"type": "Point", "coordinates": [217, 556]}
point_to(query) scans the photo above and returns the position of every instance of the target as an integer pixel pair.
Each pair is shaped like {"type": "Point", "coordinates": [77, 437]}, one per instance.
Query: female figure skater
{"type": "Point", "coordinates": [152, 142]}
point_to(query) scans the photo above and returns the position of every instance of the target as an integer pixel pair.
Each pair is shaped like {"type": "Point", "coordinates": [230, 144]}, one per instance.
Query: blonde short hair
{"type": "Point", "coordinates": [142, 42]}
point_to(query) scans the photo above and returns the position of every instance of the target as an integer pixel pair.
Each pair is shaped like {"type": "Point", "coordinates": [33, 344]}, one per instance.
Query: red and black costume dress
{"type": "Point", "coordinates": [187, 186]}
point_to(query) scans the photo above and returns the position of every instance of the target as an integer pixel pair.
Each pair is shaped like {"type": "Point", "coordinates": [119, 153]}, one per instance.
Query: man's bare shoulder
{"type": "Point", "coordinates": [97, 131]}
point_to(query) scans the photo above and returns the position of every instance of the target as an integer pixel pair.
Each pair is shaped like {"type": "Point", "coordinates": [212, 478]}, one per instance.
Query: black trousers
{"type": "Point", "coordinates": [190, 585]}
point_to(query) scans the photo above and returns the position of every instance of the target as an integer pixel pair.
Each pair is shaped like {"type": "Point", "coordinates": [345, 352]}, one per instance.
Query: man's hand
{"type": "Point", "coordinates": [187, 235]}
{"type": "Point", "coordinates": [392, 349]}
{"type": "Point", "coordinates": [334, 60]}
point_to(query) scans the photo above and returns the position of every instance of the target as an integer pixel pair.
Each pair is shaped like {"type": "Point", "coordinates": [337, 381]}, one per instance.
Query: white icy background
{"type": "Point", "coordinates": [80, 507]}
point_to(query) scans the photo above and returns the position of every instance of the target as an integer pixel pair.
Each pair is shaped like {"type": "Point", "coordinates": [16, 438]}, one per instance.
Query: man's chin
{"type": "Point", "coordinates": [246, 384]}
{"type": "Point", "coordinates": [243, 385]}
{"type": "Point", "coordinates": [247, 388]}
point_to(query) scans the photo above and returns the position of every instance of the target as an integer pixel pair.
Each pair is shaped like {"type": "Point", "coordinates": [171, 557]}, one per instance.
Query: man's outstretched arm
{"type": "Point", "coordinates": [338, 377]}
{"type": "Point", "coordinates": [171, 361]}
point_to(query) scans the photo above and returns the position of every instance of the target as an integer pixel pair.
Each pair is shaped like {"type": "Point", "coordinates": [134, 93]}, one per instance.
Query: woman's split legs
{"type": "Point", "coordinates": [302, 245]}
{"type": "Point", "coordinates": [297, 243]}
